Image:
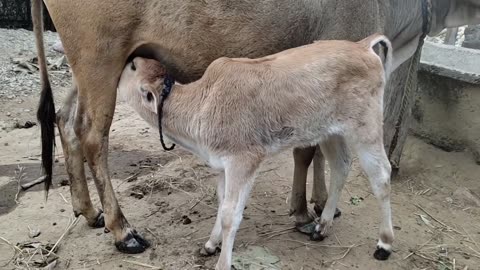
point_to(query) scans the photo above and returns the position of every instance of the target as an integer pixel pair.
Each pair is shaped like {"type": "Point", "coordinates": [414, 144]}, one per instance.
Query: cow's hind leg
{"type": "Point", "coordinates": [96, 105]}
{"type": "Point", "coordinates": [298, 203]}
{"type": "Point", "coordinates": [82, 205]}
{"type": "Point", "coordinates": [319, 189]}
{"type": "Point", "coordinates": [339, 159]}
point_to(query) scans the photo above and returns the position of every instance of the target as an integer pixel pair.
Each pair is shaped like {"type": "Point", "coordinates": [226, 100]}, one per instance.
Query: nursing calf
{"type": "Point", "coordinates": [244, 110]}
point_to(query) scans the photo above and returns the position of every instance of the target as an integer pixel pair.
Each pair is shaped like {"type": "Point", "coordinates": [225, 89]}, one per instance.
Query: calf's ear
{"type": "Point", "coordinates": [463, 12]}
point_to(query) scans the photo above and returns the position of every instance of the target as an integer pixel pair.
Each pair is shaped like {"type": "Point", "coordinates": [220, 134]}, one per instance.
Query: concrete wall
{"type": "Point", "coordinates": [447, 108]}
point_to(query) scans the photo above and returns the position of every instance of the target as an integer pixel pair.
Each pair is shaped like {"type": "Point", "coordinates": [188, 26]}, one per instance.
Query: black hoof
{"type": "Point", "coordinates": [306, 228]}
{"type": "Point", "coordinates": [338, 213]}
{"type": "Point", "coordinates": [381, 254]}
{"type": "Point", "coordinates": [319, 211]}
{"type": "Point", "coordinates": [316, 236]}
{"type": "Point", "coordinates": [394, 173]}
{"type": "Point", "coordinates": [132, 244]}
{"type": "Point", "coordinates": [99, 221]}
{"type": "Point", "coordinates": [207, 253]}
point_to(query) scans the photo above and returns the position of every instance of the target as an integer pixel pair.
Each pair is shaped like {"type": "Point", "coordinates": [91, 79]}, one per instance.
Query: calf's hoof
{"type": "Point", "coordinates": [319, 210]}
{"type": "Point", "coordinates": [317, 236]}
{"type": "Point", "coordinates": [381, 254]}
{"type": "Point", "coordinates": [207, 252]}
{"type": "Point", "coordinates": [132, 243]}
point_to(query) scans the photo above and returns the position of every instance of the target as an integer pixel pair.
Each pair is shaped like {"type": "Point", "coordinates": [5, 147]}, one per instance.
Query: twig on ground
{"type": "Point", "coordinates": [338, 240]}
{"type": "Point", "coordinates": [265, 233]}
{"type": "Point", "coordinates": [472, 240]}
{"type": "Point", "coordinates": [346, 253]}
{"type": "Point", "coordinates": [430, 215]}
{"type": "Point", "coordinates": [315, 245]}
{"type": "Point", "coordinates": [69, 227]}
{"type": "Point", "coordinates": [434, 218]}
{"type": "Point", "coordinates": [85, 266]}
{"type": "Point", "coordinates": [128, 179]}
{"type": "Point", "coordinates": [15, 248]}
{"type": "Point", "coordinates": [189, 194]}
{"type": "Point", "coordinates": [142, 264]}
{"type": "Point", "coordinates": [190, 233]}
{"type": "Point", "coordinates": [61, 195]}
{"type": "Point", "coordinates": [32, 183]}
{"type": "Point", "coordinates": [19, 176]}
{"type": "Point", "coordinates": [431, 259]}
{"type": "Point", "coordinates": [196, 203]}
{"type": "Point", "coordinates": [152, 233]}
{"type": "Point", "coordinates": [419, 248]}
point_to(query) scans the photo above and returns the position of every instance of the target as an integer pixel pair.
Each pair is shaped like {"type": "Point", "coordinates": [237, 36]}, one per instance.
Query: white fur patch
{"type": "Point", "coordinates": [386, 247]}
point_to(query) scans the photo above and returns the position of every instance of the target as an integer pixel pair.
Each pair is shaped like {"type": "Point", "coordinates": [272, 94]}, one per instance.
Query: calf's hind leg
{"type": "Point", "coordinates": [339, 159]}
{"type": "Point", "coordinates": [374, 162]}
{"type": "Point", "coordinates": [298, 205]}
{"type": "Point", "coordinates": [73, 153]}
{"type": "Point", "coordinates": [319, 188]}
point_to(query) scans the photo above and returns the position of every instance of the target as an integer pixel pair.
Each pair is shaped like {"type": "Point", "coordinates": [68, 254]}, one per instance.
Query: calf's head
{"type": "Point", "coordinates": [141, 83]}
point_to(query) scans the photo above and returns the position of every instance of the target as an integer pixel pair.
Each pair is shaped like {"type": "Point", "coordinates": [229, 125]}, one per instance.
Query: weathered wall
{"type": "Point", "coordinates": [16, 14]}
{"type": "Point", "coordinates": [447, 107]}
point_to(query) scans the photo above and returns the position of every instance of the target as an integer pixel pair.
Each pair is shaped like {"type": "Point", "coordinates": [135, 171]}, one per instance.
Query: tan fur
{"type": "Point", "coordinates": [99, 36]}
{"type": "Point", "coordinates": [242, 111]}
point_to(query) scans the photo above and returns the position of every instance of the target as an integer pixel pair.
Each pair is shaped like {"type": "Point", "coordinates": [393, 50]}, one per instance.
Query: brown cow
{"type": "Point", "coordinates": [100, 36]}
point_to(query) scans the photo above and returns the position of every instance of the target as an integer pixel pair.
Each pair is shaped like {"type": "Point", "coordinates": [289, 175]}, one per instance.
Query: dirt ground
{"type": "Point", "coordinates": [170, 197]}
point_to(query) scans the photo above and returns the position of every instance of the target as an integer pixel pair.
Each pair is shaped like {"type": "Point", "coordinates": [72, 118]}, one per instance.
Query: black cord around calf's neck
{"type": "Point", "coordinates": [168, 83]}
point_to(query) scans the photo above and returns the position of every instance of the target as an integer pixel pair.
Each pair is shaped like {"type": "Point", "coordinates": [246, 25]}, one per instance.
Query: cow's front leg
{"type": "Point", "coordinates": [96, 104]}
{"type": "Point", "coordinates": [81, 202]}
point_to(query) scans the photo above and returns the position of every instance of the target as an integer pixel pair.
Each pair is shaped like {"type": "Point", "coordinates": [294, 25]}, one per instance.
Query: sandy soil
{"type": "Point", "coordinates": [435, 207]}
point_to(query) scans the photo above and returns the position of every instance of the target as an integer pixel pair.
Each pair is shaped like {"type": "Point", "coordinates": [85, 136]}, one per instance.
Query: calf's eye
{"type": "Point", "coordinates": [149, 97]}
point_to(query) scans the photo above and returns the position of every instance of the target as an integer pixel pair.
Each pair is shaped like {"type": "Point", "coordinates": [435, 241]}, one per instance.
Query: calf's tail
{"type": "Point", "coordinates": [46, 107]}
{"type": "Point", "coordinates": [385, 53]}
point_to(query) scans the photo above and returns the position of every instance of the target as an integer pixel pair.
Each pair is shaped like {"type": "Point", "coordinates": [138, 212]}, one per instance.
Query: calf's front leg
{"type": "Point", "coordinates": [211, 246]}
{"type": "Point", "coordinates": [239, 178]}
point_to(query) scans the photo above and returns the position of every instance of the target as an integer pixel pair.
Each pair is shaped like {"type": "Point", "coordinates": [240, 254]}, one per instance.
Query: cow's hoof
{"type": "Point", "coordinates": [381, 254]}
{"type": "Point", "coordinates": [133, 243]}
{"type": "Point", "coordinates": [319, 211]}
{"type": "Point", "coordinates": [206, 252]}
{"type": "Point", "coordinates": [306, 228]}
{"type": "Point", "coordinates": [316, 236]}
{"type": "Point", "coordinates": [99, 221]}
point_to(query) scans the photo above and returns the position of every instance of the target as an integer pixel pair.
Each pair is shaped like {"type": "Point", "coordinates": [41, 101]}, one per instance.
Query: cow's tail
{"type": "Point", "coordinates": [46, 107]}
{"type": "Point", "coordinates": [385, 52]}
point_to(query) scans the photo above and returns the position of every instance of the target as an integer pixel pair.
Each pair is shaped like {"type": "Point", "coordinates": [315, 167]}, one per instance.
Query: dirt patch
{"type": "Point", "coordinates": [176, 210]}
